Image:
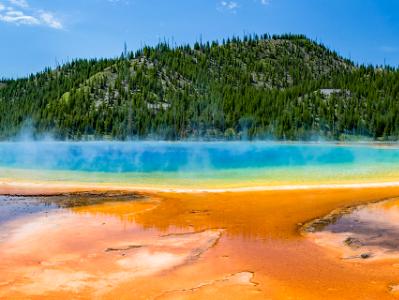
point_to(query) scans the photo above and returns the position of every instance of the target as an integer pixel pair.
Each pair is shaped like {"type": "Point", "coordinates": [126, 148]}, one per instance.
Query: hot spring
{"type": "Point", "coordinates": [198, 165]}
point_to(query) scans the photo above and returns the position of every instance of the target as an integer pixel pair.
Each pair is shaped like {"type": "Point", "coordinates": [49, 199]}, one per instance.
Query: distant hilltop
{"type": "Point", "coordinates": [257, 87]}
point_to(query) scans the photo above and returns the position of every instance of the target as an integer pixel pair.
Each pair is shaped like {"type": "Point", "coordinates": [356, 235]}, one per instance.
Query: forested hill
{"type": "Point", "coordinates": [281, 87]}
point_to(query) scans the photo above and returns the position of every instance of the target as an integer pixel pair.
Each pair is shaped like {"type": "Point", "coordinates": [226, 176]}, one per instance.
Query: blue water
{"type": "Point", "coordinates": [196, 157]}
{"type": "Point", "coordinates": [14, 207]}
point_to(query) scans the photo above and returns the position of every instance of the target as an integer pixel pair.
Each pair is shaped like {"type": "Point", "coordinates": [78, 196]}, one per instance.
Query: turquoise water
{"type": "Point", "coordinates": [162, 162]}
{"type": "Point", "coordinates": [195, 157]}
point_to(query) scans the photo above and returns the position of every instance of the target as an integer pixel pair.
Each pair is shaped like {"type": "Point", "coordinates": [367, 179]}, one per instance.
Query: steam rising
{"type": "Point", "coordinates": [147, 157]}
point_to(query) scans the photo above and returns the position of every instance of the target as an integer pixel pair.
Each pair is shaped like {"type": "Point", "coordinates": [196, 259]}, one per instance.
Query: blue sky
{"type": "Point", "coordinates": [39, 33]}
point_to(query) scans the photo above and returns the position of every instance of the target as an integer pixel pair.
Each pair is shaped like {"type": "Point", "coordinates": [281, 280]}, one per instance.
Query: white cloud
{"type": "Point", "coordinates": [18, 17]}
{"type": "Point", "coordinates": [19, 12]}
{"type": "Point", "coordinates": [48, 18]}
{"type": "Point", "coordinates": [19, 3]}
{"type": "Point", "coordinates": [127, 2]}
{"type": "Point", "coordinates": [230, 6]}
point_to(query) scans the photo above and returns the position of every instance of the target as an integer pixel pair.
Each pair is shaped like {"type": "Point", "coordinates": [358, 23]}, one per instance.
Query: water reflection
{"type": "Point", "coordinates": [369, 231]}
{"type": "Point", "coordinates": [13, 207]}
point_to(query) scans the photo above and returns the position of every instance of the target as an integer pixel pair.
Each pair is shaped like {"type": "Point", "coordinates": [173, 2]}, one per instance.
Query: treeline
{"type": "Point", "coordinates": [281, 87]}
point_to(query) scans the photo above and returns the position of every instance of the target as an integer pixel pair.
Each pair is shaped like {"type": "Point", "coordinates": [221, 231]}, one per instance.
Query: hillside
{"type": "Point", "coordinates": [281, 87]}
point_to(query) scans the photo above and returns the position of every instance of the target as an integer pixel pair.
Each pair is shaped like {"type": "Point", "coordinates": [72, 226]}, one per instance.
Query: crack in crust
{"type": "Point", "coordinates": [241, 278]}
